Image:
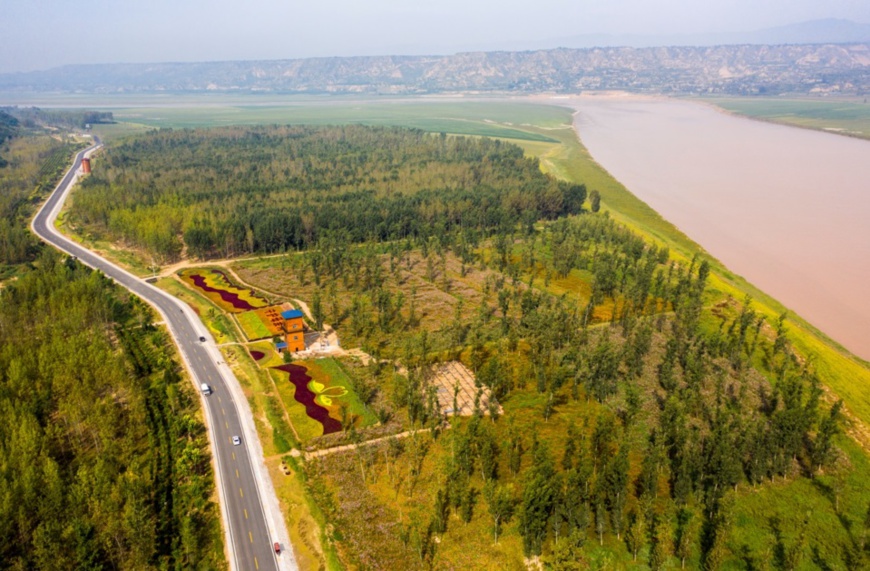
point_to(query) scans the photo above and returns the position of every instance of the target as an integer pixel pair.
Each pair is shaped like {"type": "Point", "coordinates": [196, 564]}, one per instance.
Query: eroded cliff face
{"type": "Point", "coordinates": [740, 69]}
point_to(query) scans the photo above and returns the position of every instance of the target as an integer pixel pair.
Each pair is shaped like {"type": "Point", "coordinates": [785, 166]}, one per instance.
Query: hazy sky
{"type": "Point", "coordinates": [38, 34]}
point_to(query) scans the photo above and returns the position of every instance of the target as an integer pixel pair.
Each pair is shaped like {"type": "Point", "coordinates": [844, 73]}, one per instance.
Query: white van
{"type": "Point", "coordinates": [206, 390]}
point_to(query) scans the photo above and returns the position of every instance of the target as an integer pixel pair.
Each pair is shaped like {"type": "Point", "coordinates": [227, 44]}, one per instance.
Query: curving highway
{"type": "Point", "coordinates": [249, 506]}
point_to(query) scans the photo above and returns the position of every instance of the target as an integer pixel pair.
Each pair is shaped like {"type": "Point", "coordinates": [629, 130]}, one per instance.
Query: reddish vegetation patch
{"type": "Point", "coordinates": [228, 296]}
{"type": "Point", "coordinates": [257, 355]}
{"type": "Point", "coordinates": [299, 377]}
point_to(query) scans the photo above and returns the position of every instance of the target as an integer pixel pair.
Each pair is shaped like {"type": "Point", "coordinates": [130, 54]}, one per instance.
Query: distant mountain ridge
{"type": "Point", "coordinates": [827, 31]}
{"type": "Point", "coordinates": [727, 69]}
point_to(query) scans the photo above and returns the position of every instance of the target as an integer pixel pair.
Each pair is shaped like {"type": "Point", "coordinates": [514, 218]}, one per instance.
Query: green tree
{"type": "Point", "coordinates": [822, 448]}
{"type": "Point", "coordinates": [635, 535]}
{"type": "Point", "coordinates": [567, 554]}
{"type": "Point", "coordinates": [500, 504]}
{"type": "Point", "coordinates": [686, 536]}
{"type": "Point", "coordinates": [539, 494]}
{"type": "Point", "coordinates": [595, 201]}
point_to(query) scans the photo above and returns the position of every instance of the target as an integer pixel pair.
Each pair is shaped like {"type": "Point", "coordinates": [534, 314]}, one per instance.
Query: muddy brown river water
{"type": "Point", "coordinates": [786, 208]}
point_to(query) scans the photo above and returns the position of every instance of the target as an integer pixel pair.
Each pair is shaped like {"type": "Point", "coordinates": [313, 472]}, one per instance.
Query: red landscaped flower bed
{"type": "Point", "coordinates": [304, 396]}
{"type": "Point", "coordinates": [257, 355]}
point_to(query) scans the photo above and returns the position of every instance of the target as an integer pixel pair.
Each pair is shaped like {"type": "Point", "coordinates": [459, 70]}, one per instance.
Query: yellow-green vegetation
{"type": "Point", "coordinates": [306, 427]}
{"type": "Point", "coordinates": [311, 547]}
{"type": "Point", "coordinates": [844, 116]}
{"type": "Point", "coordinates": [334, 391]}
{"type": "Point", "coordinates": [253, 325]}
{"type": "Point", "coordinates": [271, 357]}
{"type": "Point", "coordinates": [776, 521]}
{"type": "Point", "coordinates": [262, 323]}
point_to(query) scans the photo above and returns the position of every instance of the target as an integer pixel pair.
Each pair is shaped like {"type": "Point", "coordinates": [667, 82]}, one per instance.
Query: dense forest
{"type": "Point", "coordinates": [8, 128]}
{"type": "Point", "coordinates": [104, 462]}
{"type": "Point", "coordinates": [35, 162]}
{"type": "Point", "coordinates": [231, 191]}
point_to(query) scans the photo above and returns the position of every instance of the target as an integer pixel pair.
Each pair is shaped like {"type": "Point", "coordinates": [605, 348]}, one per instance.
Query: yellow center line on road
{"type": "Point", "coordinates": [256, 564]}
{"type": "Point", "coordinates": [251, 537]}
{"type": "Point", "coordinates": [237, 472]}
{"type": "Point", "coordinates": [223, 411]}
{"type": "Point", "coordinates": [246, 512]}
{"type": "Point", "coordinates": [241, 493]}
{"type": "Point", "coordinates": [234, 455]}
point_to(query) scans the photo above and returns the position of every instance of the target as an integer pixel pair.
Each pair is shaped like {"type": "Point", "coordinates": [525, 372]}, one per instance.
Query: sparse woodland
{"type": "Point", "coordinates": [633, 410]}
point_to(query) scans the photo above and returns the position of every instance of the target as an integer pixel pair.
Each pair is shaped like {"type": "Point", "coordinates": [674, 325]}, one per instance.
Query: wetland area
{"type": "Point", "coordinates": [784, 207]}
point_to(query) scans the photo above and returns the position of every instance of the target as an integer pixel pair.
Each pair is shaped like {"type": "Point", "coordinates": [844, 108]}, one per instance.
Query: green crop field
{"type": "Point", "coordinates": [487, 118]}
{"type": "Point", "coordinates": [253, 326]}
{"type": "Point", "coordinates": [846, 117]}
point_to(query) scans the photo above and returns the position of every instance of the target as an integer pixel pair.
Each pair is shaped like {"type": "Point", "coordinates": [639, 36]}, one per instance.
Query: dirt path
{"type": "Point", "coordinates": [346, 447]}
{"type": "Point", "coordinates": [222, 262]}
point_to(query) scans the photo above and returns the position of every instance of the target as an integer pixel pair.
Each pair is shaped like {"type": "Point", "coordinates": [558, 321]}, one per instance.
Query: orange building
{"type": "Point", "coordinates": [86, 165]}
{"type": "Point", "coordinates": [294, 330]}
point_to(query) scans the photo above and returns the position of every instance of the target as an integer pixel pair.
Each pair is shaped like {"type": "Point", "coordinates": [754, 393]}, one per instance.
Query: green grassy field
{"type": "Point", "coordinates": [847, 117]}
{"type": "Point", "coordinates": [113, 131]}
{"type": "Point", "coordinates": [492, 119]}
{"type": "Point", "coordinates": [338, 376]}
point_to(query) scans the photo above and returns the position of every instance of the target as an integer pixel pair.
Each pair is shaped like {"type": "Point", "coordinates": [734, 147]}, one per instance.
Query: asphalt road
{"type": "Point", "coordinates": [250, 540]}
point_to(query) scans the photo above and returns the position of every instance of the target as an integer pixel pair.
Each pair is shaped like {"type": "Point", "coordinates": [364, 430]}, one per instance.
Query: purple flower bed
{"type": "Point", "coordinates": [227, 296]}
{"type": "Point", "coordinates": [257, 355]}
{"type": "Point", "coordinates": [299, 377]}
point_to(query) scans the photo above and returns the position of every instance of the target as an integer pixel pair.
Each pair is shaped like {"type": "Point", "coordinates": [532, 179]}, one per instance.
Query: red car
{"type": "Point", "coordinates": [277, 548]}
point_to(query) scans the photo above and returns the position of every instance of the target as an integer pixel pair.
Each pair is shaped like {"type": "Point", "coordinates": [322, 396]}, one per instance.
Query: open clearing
{"type": "Point", "coordinates": [845, 117]}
